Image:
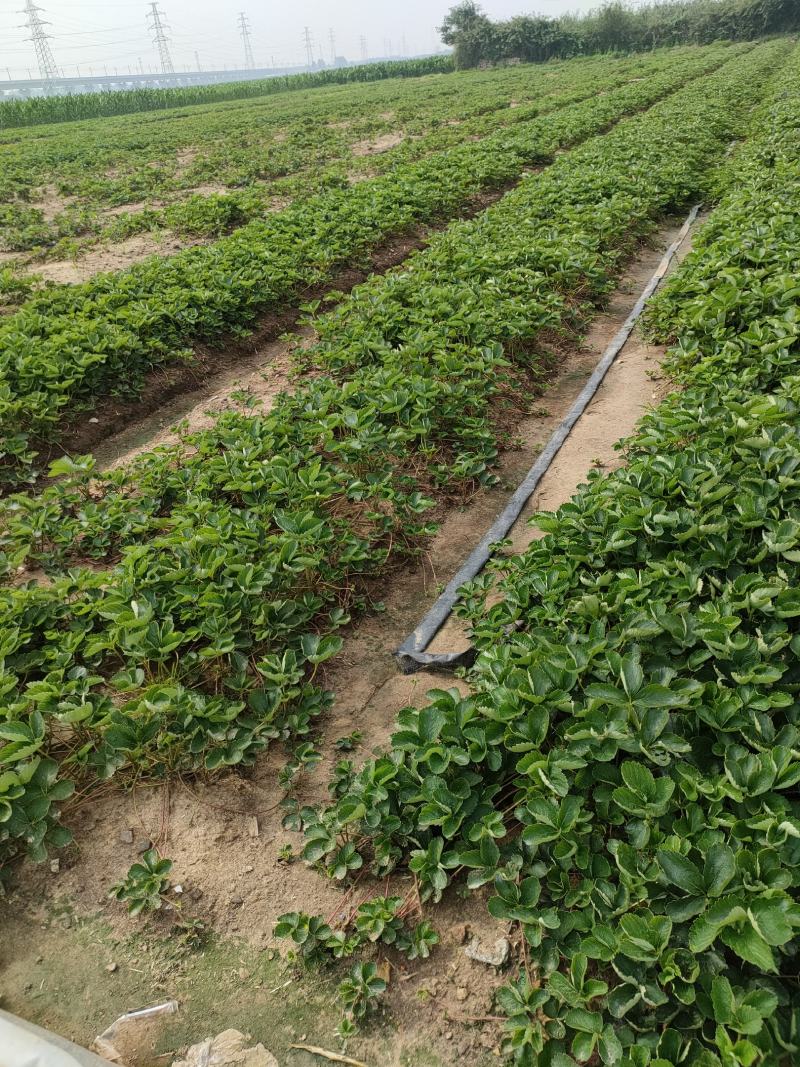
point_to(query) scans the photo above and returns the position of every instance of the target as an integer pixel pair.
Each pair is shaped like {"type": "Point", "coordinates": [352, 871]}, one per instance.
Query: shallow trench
{"type": "Point", "coordinates": [224, 837]}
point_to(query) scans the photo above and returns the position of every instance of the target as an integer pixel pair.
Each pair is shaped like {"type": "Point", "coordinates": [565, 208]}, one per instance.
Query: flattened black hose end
{"type": "Point", "coordinates": [409, 661]}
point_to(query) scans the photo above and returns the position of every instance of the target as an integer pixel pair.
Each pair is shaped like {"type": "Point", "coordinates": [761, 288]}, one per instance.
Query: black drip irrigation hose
{"type": "Point", "coordinates": [411, 655]}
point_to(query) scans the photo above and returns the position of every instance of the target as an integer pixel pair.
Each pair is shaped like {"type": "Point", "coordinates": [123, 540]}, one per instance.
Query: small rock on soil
{"type": "Point", "coordinates": [495, 955]}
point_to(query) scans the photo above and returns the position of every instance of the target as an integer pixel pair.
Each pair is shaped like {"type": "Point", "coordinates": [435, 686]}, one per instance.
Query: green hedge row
{"type": "Point", "coordinates": [78, 106]}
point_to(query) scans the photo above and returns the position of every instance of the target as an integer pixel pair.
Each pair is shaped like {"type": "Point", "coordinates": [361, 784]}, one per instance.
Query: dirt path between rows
{"type": "Point", "coordinates": [231, 855]}
{"type": "Point", "coordinates": [632, 384]}
{"type": "Point", "coordinates": [117, 430]}
{"type": "Point", "coordinates": [210, 371]}
{"type": "Point", "coordinates": [252, 385]}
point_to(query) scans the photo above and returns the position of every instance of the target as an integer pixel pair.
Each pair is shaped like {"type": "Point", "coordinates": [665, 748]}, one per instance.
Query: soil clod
{"type": "Point", "coordinates": [495, 955]}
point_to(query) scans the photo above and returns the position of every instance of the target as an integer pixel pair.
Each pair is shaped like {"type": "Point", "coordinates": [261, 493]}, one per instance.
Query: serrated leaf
{"type": "Point", "coordinates": [681, 872]}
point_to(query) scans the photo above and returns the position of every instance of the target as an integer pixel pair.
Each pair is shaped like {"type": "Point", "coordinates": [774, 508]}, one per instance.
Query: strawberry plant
{"type": "Point", "coordinates": [264, 151]}
{"type": "Point", "coordinates": [145, 884]}
{"type": "Point", "coordinates": [229, 566]}
{"type": "Point", "coordinates": [309, 933]}
{"type": "Point", "coordinates": [624, 772]}
{"type": "Point", "coordinates": [360, 990]}
{"type": "Point", "coordinates": [107, 333]}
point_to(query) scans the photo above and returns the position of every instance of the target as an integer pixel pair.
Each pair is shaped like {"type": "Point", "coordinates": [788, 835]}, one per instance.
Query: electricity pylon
{"type": "Point", "coordinates": [309, 47]}
{"type": "Point", "coordinates": [160, 39]}
{"type": "Point", "coordinates": [244, 32]}
{"type": "Point", "coordinates": [39, 36]}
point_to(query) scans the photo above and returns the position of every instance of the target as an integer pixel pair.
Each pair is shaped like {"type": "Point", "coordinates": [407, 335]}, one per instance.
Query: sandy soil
{"type": "Point", "coordinates": [110, 257]}
{"type": "Point", "coordinates": [97, 257]}
{"type": "Point", "coordinates": [225, 836]}
{"type": "Point", "coordinates": [51, 203]}
{"type": "Point", "coordinates": [206, 189]}
{"type": "Point", "coordinates": [135, 208]}
{"type": "Point", "coordinates": [185, 157]}
{"type": "Point", "coordinates": [253, 384]}
{"type": "Point", "coordinates": [378, 144]}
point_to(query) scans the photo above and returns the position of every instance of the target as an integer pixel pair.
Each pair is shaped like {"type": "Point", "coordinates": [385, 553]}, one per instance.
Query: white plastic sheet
{"type": "Point", "coordinates": [24, 1045]}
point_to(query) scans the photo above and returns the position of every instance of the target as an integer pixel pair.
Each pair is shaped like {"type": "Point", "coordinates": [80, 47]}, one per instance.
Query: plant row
{"type": "Point", "coordinates": [624, 776]}
{"type": "Point", "coordinates": [241, 552]}
{"type": "Point", "coordinates": [71, 344]}
{"type": "Point", "coordinates": [170, 169]}
{"type": "Point", "coordinates": [298, 167]}
{"type": "Point", "coordinates": [44, 110]}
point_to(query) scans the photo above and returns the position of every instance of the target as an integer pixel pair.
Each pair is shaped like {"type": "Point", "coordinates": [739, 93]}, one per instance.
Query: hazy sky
{"type": "Point", "coordinates": [92, 34]}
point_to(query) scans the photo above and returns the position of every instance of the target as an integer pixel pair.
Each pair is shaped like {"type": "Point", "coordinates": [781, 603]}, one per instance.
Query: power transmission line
{"type": "Point", "coordinates": [160, 39]}
{"type": "Point", "coordinates": [244, 31]}
{"type": "Point", "coordinates": [309, 47]}
{"type": "Point", "coordinates": [39, 36]}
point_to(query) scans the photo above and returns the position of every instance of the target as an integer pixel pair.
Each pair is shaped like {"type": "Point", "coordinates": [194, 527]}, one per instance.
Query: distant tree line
{"type": "Point", "coordinates": [614, 27]}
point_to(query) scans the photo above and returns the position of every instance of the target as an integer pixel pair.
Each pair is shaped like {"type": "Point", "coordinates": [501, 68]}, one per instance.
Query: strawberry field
{"type": "Point", "coordinates": [205, 170]}
{"type": "Point", "coordinates": [618, 781]}
{"type": "Point", "coordinates": [70, 344]}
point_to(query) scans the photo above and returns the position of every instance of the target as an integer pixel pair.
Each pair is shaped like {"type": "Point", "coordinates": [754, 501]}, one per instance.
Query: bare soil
{"type": "Point", "coordinates": [51, 203]}
{"type": "Point", "coordinates": [251, 385]}
{"type": "Point", "coordinates": [102, 258]}
{"type": "Point", "coordinates": [184, 158]}
{"type": "Point", "coordinates": [378, 144]}
{"type": "Point", "coordinates": [225, 835]}
{"type": "Point", "coordinates": [356, 176]}
{"type": "Point", "coordinates": [207, 189]}
{"type": "Point", "coordinates": [135, 208]}
{"type": "Point", "coordinates": [99, 255]}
